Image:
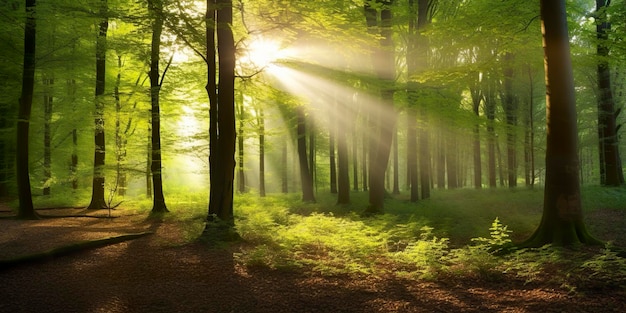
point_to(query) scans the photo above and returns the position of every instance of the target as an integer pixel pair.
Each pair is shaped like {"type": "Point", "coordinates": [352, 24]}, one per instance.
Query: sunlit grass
{"type": "Point", "coordinates": [456, 233]}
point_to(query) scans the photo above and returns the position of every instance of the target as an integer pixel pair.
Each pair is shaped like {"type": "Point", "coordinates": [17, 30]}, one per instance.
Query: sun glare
{"type": "Point", "coordinates": [262, 52]}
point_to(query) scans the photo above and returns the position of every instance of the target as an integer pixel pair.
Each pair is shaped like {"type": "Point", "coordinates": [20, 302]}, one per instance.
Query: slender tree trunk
{"type": "Point", "coordinates": [71, 94]}
{"type": "Point", "coordinates": [355, 158]}
{"type": "Point", "coordinates": [562, 221]}
{"type": "Point", "coordinates": [452, 159]}
{"type": "Point", "coordinates": [396, 165]}
{"type": "Point", "coordinates": [610, 164]}
{"type": "Point", "coordinates": [261, 122]}
{"type": "Point", "coordinates": [510, 109]}
{"type": "Point", "coordinates": [343, 166]}
{"type": "Point", "coordinates": [305, 175]}
{"type": "Point", "coordinates": [332, 132]}
{"type": "Point", "coordinates": [48, 98]}
{"type": "Point", "coordinates": [411, 146]}
{"type": "Point", "coordinates": [148, 173]}
{"type": "Point", "coordinates": [312, 151]}
{"type": "Point", "coordinates": [156, 80]}
{"type": "Point", "coordinates": [97, 195]}
{"type": "Point", "coordinates": [530, 134]}
{"type": "Point", "coordinates": [476, 98]}
{"type": "Point", "coordinates": [120, 140]}
{"type": "Point", "coordinates": [26, 209]}
{"type": "Point", "coordinates": [241, 181]}
{"type": "Point", "coordinates": [283, 170]}
{"type": "Point", "coordinates": [490, 112]}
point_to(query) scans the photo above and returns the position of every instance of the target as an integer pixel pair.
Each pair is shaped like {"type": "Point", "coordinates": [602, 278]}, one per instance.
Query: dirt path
{"type": "Point", "coordinates": [157, 274]}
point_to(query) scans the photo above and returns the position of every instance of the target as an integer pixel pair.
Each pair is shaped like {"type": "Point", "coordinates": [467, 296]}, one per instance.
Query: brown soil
{"type": "Point", "coordinates": [160, 273]}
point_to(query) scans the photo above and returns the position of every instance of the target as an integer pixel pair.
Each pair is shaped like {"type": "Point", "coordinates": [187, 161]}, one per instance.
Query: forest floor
{"type": "Point", "coordinates": [163, 272]}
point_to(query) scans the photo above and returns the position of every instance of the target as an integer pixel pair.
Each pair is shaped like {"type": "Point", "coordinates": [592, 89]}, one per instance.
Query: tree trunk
{"type": "Point", "coordinates": [261, 122]}
{"type": "Point", "coordinates": [562, 221]}
{"type": "Point", "coordinates": [411, 146]}
{"type": "Point", "coordinates": [476, 93]}
{"type": "Point", "coordinates": [241, 178]}
{"type": "Point", "coordinates": [490, 112]}
{"type": "Point", "coordinates": [332, 132]}
{"type": "Point", "coordinates": [306, 178]}
{"type": "Point", "coordinates": [384, 116]}
{"type": "Point", "coordinates": [510, 110]}
{"type": "Point", "coordinates": [71, 94]}
{"type": "Point", "coordinates": [97, 194]}
{"type": "Point", "coordinates": [283, 170]}
{"type": "Point", "coordinates": [26, 209]}
{"type": "Point", "coordinates": [158, 200]}
{"type": "Point", "coordinates": [120, 140]}
{"type": "Point", "coordinates": [48, 98]}
{"type": "Point", "coordinates": [343, 166]}
{"type": "Point", "coordinates": [224, 133]}
{"type": "Point", "coordinates": [396, 165]}
{"type": "Point", "coordinates": [610, 164]}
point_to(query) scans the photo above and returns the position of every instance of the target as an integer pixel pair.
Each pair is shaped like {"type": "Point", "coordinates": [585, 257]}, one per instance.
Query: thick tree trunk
{"type": "Point", "coordinates": [97, 194]}
{"type": "Point", "coordinates": [158, 199]}
{"type": "Point", "coordinates": [384, 115]}
{"type": "Point", "coordinates": [562, 220]}
{"type": "Point", "coordinates": [224, 133]}
{"type": "Point", "coordinates": [610, 164]}
{"type": "Point", "coordinates": [26, 209]}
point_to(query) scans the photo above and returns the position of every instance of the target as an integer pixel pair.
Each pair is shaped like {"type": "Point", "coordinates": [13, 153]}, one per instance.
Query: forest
{"type": "Point", "coordinates": [315, 156]}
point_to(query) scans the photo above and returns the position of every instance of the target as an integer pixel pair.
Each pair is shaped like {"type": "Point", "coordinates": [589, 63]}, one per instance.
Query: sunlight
{"type": "Point", "coordinates": [262, 52]}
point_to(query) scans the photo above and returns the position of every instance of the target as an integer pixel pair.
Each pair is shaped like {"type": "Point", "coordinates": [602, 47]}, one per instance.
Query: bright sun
{"type": "Point", "coordinates": [262, 52]}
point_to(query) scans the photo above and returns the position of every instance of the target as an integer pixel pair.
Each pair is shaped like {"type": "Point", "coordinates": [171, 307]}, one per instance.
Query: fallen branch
{"type": "Point", "coordinates": [69, 249]}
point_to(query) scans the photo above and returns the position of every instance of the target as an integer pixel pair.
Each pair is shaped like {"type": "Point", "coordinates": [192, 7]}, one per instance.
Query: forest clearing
{"type": "Point", "coordinates": [174, 270]}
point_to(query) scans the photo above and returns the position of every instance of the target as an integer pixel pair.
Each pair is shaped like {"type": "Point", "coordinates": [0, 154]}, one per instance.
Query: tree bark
{"type": "Point", "coordinates": [384, 115]}
{"type": "Point", "coordinates": [306, 178]}
{"type": "Point", "coordinates": [510, 110]}
{"type": "Point", "coordinates": [223, 152]}
{"type": "Point", "coordinates": [48, 98]}
{"type": "Point", "coordinates": [97, 194]}
{"type": "Point", "coordinates": [343, 166]}
{"type": "Point", "coordinates": [26, 209]}
{"type": "Point", "coordinates": [610, 163]}
{"type": "Point", "coordinates": [261, 123]}
{"type": "Point", "coordinates": [562, 220]}
{"type": "Point", "coordinates": [156, 79]}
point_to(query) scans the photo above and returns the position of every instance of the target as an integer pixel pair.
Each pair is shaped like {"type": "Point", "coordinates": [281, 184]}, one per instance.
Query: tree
{"type": "Point", "coordinates": [382, 115]}
{"type": "Point", "coordinates": [610, 163]}
{"type": "Point", "coordinates": [26, 209]}
{"type": "Point", "coordinates": [222, 133]}
{"type": "Point", "coordinates": [562, 220]}
{"type": "Point", "coordinates": [97, 193]}
{"type": "Point", "coordinates": [306, 177]}
{"type": "Point", "coordinates": [156, 80]}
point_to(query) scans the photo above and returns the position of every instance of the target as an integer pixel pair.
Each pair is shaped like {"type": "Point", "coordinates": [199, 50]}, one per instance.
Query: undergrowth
{"type": "Point", "coordinates": [404, 245]}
